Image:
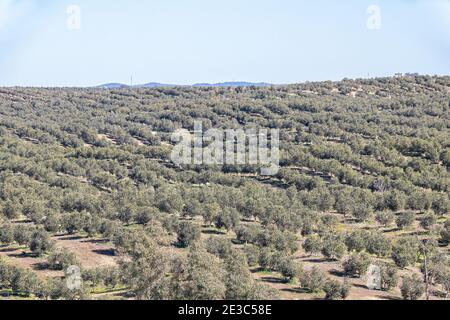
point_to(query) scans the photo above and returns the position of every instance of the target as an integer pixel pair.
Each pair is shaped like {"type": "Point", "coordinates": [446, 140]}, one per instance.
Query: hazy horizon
{"type": "Point", "coordinates": [199, 84]}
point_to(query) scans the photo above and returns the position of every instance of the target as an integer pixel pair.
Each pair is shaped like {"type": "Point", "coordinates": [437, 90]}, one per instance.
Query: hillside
{"type": "Point", "coordinates": [87, 179]}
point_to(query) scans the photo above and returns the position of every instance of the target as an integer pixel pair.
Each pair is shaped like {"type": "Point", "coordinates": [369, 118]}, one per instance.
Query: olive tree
{"type": "Point", "coordinates": [199, 277]}
{"type": "Point", "coordinates": [389, 277]}
{"type": "Point", "coordinates": [385, 218]}
{"type": "Point", "coordinates": [335, 290]}
{"type": "Point", "coordinates": [313, 280]}
{"type": "Point", "coordinates": [405, 252]}
{"type": "Point", "coordinates": [312, 245]}
{"type": "Point", "coordinates": [428, 221]}
{"type": "Point", "coordinates": [187, 233]}
{"type": "Point", "coordinates": [412, 288]}
{"type": "Point", "coordinates": [61, 259]}
{"type": "Point", "coordinates": [40, 242]}
{"type": "Point", "coordinates": [356, 265]}
{"type": "Point", "coordinates": [445, 233]}
{"type": "Point", "coordinates": [333, 247]}
{"type": "Point", "coordinates": [405, 220]}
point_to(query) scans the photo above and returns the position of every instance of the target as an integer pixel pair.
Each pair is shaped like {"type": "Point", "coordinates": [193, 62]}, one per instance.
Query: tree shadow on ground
{"type": "Point", "coordinates": [391, 298]}
{"type": "Point", "coordinates": [6, 250]}
{"type": "Point", "coordinates": [272, 280]}
{"type": "Point", "coordinates": [315, 260]}
{"type": "Point", "coordinates": [41, 266]}
{"type": "Point", "coordinates": [296, 290]}
{"type": "Point", "coordinates": [105, 252]}
{"type": "Point", "coordinates": [71, 237]}
{"type": "Point", "coordinates": [213, 232]}
{"type": "Point", "coordinates": [357, 285]}
{"type": "Point", "coordinates": [23, 255]}
{"type": "Point", "coordinates": [96, 241]}
{"type": "Point", "coordinates": [338, 273]}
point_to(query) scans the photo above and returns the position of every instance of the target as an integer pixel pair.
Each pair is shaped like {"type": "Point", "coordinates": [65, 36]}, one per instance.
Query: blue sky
{"type": "Point", "coordinates": [190, 41]}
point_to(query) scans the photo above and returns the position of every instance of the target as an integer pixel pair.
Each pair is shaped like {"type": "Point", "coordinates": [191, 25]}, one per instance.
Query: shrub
{"type": "Point", "coordinates": [412, 288]}
{"type": "Point", "coordinates": [405, 252]}
{"type": "Point", "coordinates": [61, 260]}
{"type": "Point", "coordinates": [57, 290]}
{"type": "Point", "coordinates": [395, 200]}
{"type": "Point", "coordinates": [6, 234]}
{"type": "Point", "coordinates": [74, 222]}
{"type": "Point", "coordinates": [441, 204]}
{"type": "Point", "coordinates": [389, 278]}
{"type": "Point", "coordinates": [145, 215]}
{"type": "Point", "coordinates": [379, 245]}
{"type": "Point", "coordinates": [428, 221]}
{"type": "Point", "coordinates": [405, 220]}
{"type": "Point", "coordinates": [187, 233]}
{"type": "Point", "coordinates": [385, 218]}
{"type": "Point", "coordinates": [227, 219]}
{"type": "Point", "coordinates": [25, 282]}
{"type": "Point", "coordinates": [22, 234]}
{"type": "Point", "coordinates": [356, 265]}
{"type": "Point", "coordinates": [333, 247]}
{"type": "Point", "coordinates": [312, 245]}
{"type": "Point", "coordinates": [335, 290]}
{"type": "Point", "coordinates": [445, 233]}
{"type": "Point", "coordinates": [247, 234]}
{"type": "Point", "coordinates": [357, 240]}
{"type": "Point", "coordinates": [52, 223]}
{"type": "Point", "coordinates": [252, 254]}
{"type": "Point", "coordinates": [265, 258]}
{"type": "Point", "coordinates": [313, 280]}
{"type": "Point", "coordinates": [219, 247]}
{"type": "Point", "coordinates": [289, 269]}
{"type": "Point", "coordinates": [362, 213]}
{"type": "Point", "coordinates": [40, 242]}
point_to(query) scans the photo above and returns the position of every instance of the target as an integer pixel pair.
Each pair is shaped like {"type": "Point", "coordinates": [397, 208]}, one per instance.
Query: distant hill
{"type": "Point", "coordinates": [233, 84]}
{"type": "Point", "coordinates": [155, 85]}
{"type": "Point", "coordinates": [161, 85]}
{"type": "Point", "coordinates": [113, 86]}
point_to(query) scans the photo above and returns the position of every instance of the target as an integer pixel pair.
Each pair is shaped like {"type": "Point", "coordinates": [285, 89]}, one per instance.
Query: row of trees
{"type": "Point", "coordinates": [97, 163]}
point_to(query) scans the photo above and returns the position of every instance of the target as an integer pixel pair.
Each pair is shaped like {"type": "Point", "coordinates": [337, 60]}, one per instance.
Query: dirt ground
{"type": "Point", "coordinates": [333, 270]}
{"type": "Point", "coordinates": [91, 253]}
